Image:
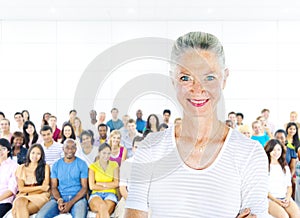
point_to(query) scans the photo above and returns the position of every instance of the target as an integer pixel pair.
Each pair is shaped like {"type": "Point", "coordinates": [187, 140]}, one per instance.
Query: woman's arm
{"type": "Point", "coordinates": [5, 195]}
{"type": "Point", "coordinates": [37, 189]}
{"type": "Point", "coordinates": [110, 185]}
{"type": "Point", "coordinates": [124, 155]}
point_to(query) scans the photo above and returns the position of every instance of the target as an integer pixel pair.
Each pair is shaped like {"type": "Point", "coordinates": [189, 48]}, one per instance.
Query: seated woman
{"type": "Point", "coordinates": [86, 151]}
{"type": "Point", "coordinates": [33, 183]}
{"type": "Point", "coordinates": [280, 188]}
{"type": "Point", "coordinates": [8, 183]}
{"type": "Point", "coordinates": [103, 181]}
{"type": "Point", "coordinates": [18, 150]}
{"type": "Point", "coordinates": [118, 152]}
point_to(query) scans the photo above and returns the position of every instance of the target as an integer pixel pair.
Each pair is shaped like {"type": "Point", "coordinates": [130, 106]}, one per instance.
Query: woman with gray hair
{"type": "Point", "coordinates": [208, 170]}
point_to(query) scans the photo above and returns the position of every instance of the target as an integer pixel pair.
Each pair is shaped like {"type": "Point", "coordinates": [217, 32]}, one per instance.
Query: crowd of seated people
{"type": "Point", "coordinates": [77, 169]}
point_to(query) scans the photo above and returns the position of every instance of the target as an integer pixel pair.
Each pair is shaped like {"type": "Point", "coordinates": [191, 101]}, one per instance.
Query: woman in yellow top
{"type": "Point", "coordinates": [103, 181]}
{"type": "Point", "coordinates": [33, 183]}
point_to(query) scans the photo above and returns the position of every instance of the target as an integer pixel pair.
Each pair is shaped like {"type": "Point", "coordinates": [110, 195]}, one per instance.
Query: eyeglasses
{"type": "Point", "coordinates": [3, 148]}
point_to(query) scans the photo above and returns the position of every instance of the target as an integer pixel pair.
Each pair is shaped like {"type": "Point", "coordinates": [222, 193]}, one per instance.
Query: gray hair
{"type": "Point", "coordinates": [197, 40]}
{"type": "Point", "coordinates": [69, 140]}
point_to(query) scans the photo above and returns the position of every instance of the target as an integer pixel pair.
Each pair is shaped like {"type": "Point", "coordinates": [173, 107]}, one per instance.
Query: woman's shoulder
{"type": "Point", "coordinates": [113, 164]}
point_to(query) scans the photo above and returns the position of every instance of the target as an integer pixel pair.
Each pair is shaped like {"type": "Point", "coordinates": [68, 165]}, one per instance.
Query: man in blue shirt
{"type": "Point", "coordinates": [140, 123]}
{"type": "Point", "coordinates": [68, 185]}
{"type": "Point", "coordinates": [115, 122]}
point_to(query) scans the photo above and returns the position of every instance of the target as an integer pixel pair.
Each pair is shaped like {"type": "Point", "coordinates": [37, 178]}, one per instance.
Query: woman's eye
{"type": "Point", "coordinates": [210, 78]}
{"type": "Point", "coordinates": [185, 78]}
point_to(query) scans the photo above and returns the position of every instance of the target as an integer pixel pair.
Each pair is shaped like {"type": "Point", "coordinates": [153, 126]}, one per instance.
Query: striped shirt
{"type": "Point", "coordinates": [53, 153]}
{"type": "Point", "coordinates": [161, 181]}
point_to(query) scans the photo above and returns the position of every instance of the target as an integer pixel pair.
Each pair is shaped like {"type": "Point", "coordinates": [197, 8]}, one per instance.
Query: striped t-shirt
{"type": "Point", "coordinates": [161, 181]}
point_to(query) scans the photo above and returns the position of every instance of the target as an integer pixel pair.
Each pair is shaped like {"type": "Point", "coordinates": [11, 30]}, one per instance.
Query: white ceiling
{"type": "Point", "coordinates": [110, 10]}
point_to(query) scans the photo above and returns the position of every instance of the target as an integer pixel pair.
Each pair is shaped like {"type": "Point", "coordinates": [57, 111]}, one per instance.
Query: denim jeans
{"type": "Point", "coordinates": [50, 209]}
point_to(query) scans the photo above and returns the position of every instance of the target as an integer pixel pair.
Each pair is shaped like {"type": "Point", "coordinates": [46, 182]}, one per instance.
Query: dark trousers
{"type": "Point", "coordinates": [4, 208]}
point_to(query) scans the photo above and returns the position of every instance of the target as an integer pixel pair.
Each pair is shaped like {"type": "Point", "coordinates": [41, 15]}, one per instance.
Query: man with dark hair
{"type": "Point", "coordinates": [103, 137]}
{"type": "Point", "coordinates": [115, 122]}
{"type": "Point", "coordinates": [69, 185]}
{"type": "Point", "coordinates": [232, 117]}
{"type": "Point", "coordinates": [52, 149]}
{"type": "Point", "coordinates": [166, 116]}
{"type": "Point", "coordinates": [19, 120]}
{"type": "Point", "coordinates": [140, 123]}
{"type": "Point", "coordinates": [239, 119]}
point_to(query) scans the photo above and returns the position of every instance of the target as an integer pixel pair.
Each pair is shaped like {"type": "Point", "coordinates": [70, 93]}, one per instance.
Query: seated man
{"type": "Point", "coordinates": [68, 185]}
{"type": "Point", "coordinates": [125, 171]}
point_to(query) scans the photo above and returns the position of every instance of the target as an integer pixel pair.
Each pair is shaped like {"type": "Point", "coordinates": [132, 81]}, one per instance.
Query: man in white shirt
{"type": "Point", "coordinates": [53, 150]}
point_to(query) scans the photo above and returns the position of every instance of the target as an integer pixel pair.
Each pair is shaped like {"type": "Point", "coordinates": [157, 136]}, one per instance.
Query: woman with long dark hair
{"type": "Point", "coordinates": [152, 123]}
{"type": "Point", "coordinates": [67, 131]}
{"type": "Point", "coordinates": [292, 137]}
{"type": "Point", "coordinates": [33, 179]}
{"type": "Point", "coordinates": [26, 115]}
{"type": "Point", "coordinates": [281, 203]}
{"type": "Point", "coordinates": [30, 133]}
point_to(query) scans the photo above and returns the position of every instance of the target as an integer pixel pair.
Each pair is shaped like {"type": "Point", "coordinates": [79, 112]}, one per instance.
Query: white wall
{"type": "Point", "coordinates": [41, 63]}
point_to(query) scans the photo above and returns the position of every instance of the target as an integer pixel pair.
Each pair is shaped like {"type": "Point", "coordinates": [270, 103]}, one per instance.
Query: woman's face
{"type": "Point", "coordinates": [35, 155]}
{"type": "Point", "coordinates": [67, 131]}
{"type": "Point", "coordinates": [292, 130]}
{"type": "Point", "coordinates": [4, 125]}
{"type": "Point", "coordinates": [257, 128]}
{"type": "Point", "coordinates": [199, 80]}
{"type": "Point", "coordinates": [276, 153]}
{"type": "Point", "coordinates": [77, 123]}
{"type": "Point", "coordinates": [115, 139]}
{"type": "Point", "coordinates": [86, 140]}
{"type": "Point", "coordinates": [18, 141]}
{"type": "Point", "coordinates": [104, 155]}
{"type": "Point", "coordinates": [152, 121]}
{"type": "Point", "coordinates": [25, 116]}
{"type": "Point", "coordinates": [30, 130]}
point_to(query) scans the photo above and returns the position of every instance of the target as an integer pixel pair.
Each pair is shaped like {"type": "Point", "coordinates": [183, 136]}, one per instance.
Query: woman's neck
{"type": "Point", "coordinates": [274, 161]}
{"type": "Point", "coordinates": [289, 138]}
{"type": "Point", "coordinates": [2, 159]}
{"type": "Point", "coordinates": [33, 164]}
{"type": "Point", "coordinates": [87, 149]}
{"type": "Point", "coordinates": [206, 128]}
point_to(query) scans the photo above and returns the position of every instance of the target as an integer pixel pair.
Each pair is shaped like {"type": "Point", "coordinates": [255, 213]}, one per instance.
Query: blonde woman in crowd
{"type": "Point", "coordinates": [281, 204]}
{"type": "Point", "coordinates": [33, 183]}
{"type": "Point", "coordinates": [77, 127]}
{"type": "Point", "coordinates": [103, 181]}
{"type": "Point", "coordinates": [246, 130]}
{"type": "Point", "coordinates": [5, 129]}
{"type": "Point", "coordinates": [118, 152]}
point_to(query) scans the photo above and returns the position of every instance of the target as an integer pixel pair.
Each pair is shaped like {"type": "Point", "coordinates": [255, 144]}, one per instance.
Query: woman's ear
{"type": "Point", "coordinates": [226, 74]}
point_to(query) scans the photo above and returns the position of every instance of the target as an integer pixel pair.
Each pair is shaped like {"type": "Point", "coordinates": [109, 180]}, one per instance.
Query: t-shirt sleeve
{"type": "Point", "coordinates": [12, 183]}
{"type": "Point", "coordinates": [288, 176]}
{"type": "Point", "coordinates": [293, 154]}
{"type": "Point", "coordinates": [54, 170]}
{"type": "Point", "coordinates": [124, 173]}
{"type": "Point", "coordinates": [140, 179]}
{"type": "Point", "coordinates": [255, 182]}
{"type": "Point", "coordinates": [83, 170]}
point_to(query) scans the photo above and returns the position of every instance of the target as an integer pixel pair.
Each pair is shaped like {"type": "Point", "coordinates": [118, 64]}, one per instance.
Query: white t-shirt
{"type": "Point", "coordinates": [161, 181]}
{"type": "Point", "coordinates": [53, 153]}
{"type": "Point", "coordinates": [279, 181]}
